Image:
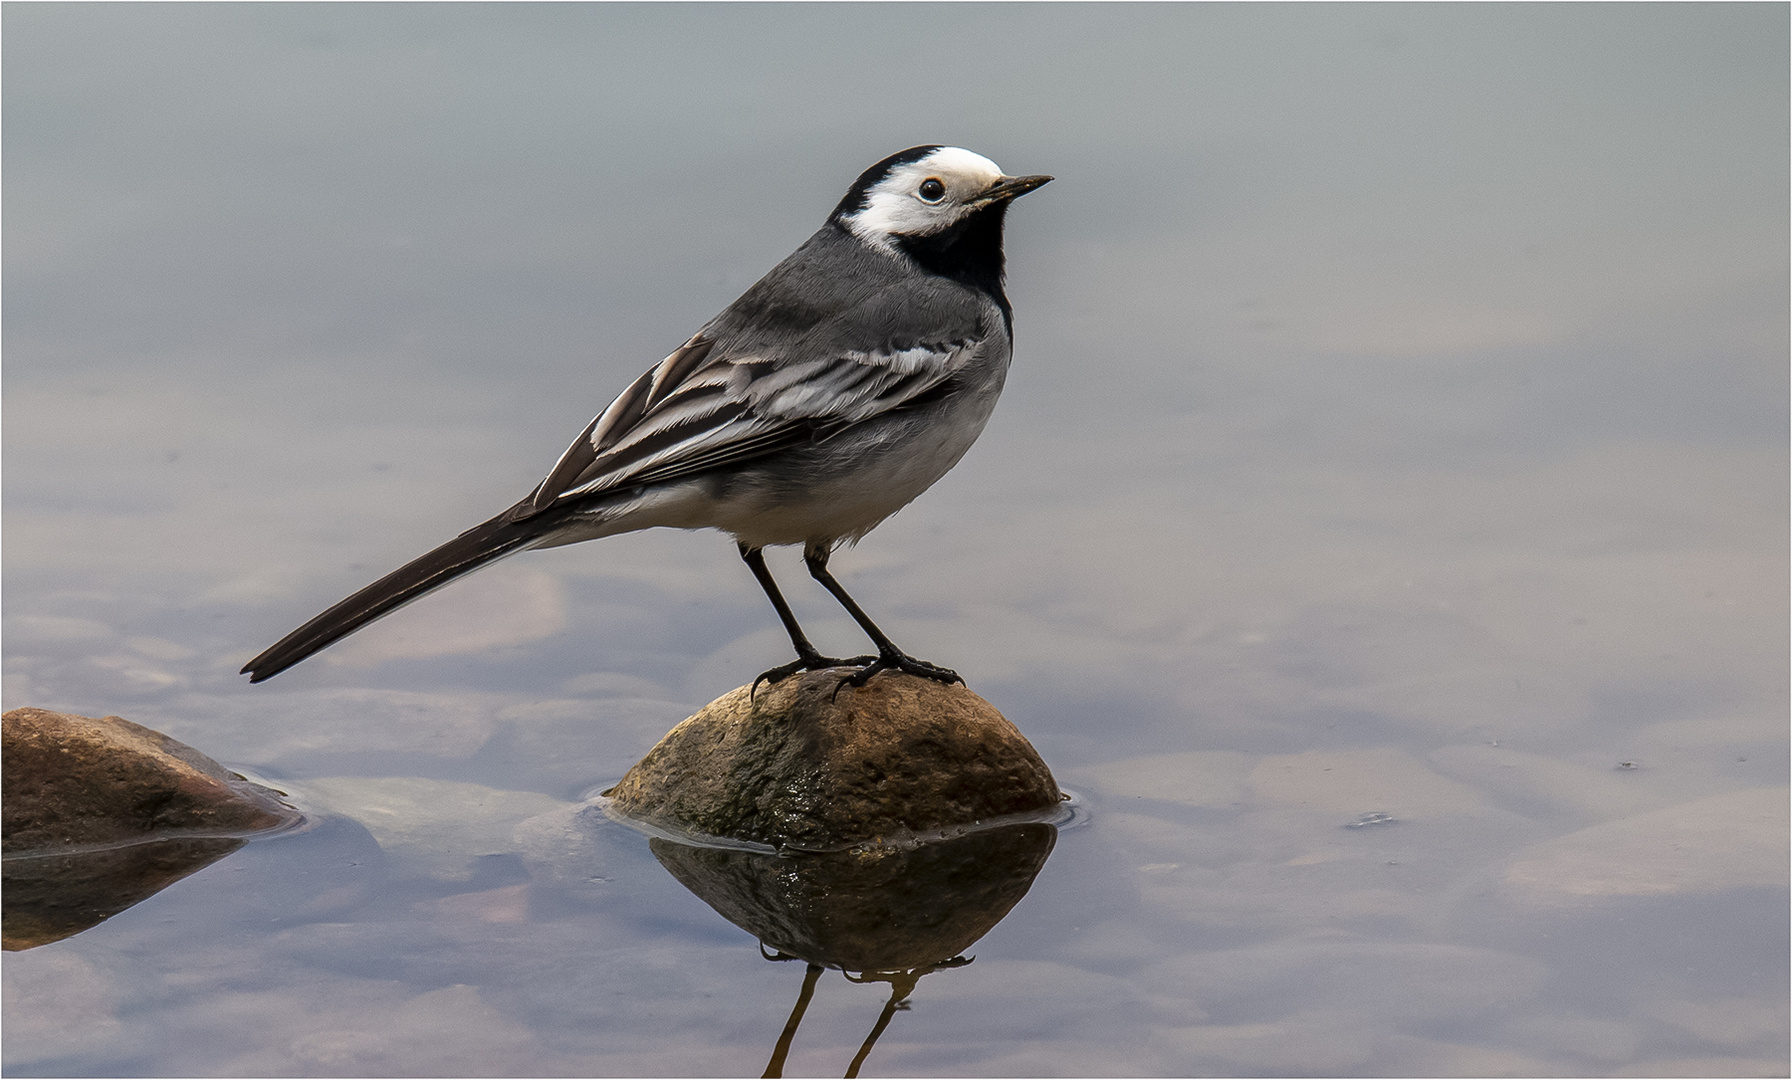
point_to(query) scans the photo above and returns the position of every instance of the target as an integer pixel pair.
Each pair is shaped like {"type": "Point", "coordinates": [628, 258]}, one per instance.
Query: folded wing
{"type": "Point", "coordinates": [706, 407]}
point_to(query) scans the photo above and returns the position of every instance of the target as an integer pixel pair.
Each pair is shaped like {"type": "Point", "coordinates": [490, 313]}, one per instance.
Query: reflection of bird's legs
{"type": "Point", "coordinates": [897, 993]}
{"type": "Point", "coordinates": [815, 556]}
{"type": "Point", "coordinates": [775, 1067]}
{"type": "Point", "coordinates": [902, 984]}
{"type": "Point", "coordinates": [808, 658]}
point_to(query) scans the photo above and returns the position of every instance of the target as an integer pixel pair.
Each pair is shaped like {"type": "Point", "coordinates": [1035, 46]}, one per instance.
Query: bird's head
{"type": "Point", "coordinates": [927, 192]}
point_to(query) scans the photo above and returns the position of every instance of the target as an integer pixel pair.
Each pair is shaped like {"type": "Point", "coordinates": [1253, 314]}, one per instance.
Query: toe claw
{"type": "Point", "coordinates": [898, 662]}
{"type": "Point", "coordinates": [774, 676]}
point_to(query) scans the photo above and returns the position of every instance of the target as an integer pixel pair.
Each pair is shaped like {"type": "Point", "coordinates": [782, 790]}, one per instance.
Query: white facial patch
{"type": "Point", "coordinates": [895, 205]}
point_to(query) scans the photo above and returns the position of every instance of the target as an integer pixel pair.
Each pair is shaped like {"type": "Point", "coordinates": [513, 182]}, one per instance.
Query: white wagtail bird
{"type": "Point", "coordinates": [834, 391]}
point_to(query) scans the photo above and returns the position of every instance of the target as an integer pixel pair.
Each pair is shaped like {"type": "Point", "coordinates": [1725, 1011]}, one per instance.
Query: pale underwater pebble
{"type": "Point", "coordinates": [507, 606]}
{"type": "Point", "coordinates": [353, 720]}
{"type": "Point", "coordinates": [1722, 842]}
{"type": "Point", "coordinates": [55, 999]}
{"type": "Point", "coordinates": [1576, 1036]}
{"type": "Point", "coordinates": [361, 1028]}
{"type": "Point", "coordinates": [1732, 1022]}
{"type": "Point", "coordinates": [1710, 1066]}
{"type": "Point", "coordinates": [570, 845]}
{"type": "Point", "coordinates": [1345, 782]}
{"type": "Point", "coordinates": [1543, 786]}
{"type": "Point", "coordinates": [433, 828]}
{"type": "Point", "coordinates": [1382, 984]}
{"type": "Point", "coordinates": [48, 628]}
{"type": "Point", "coordinates": [1194, 778]}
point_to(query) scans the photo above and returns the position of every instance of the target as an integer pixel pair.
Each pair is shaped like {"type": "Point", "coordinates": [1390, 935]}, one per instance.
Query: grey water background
{"type": "Point", "coordinates": [1397, 438]}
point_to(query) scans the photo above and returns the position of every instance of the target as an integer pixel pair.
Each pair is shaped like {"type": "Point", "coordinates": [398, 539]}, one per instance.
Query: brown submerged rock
{"type": "Point", "coordinates": [796, 766]}
{"type": "Point", "coordinates": [77, 782]}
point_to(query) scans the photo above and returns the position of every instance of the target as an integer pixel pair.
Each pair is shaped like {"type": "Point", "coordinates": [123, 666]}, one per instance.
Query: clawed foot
{"type": "Point", "coordinates": [898, 661]}
{"type": "Point", "coordinates": [815, 662]}
{"type": "Point", "coordinates": [868, 666]}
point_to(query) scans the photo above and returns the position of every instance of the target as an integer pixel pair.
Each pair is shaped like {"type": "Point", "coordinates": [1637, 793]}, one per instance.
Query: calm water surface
{"type": "Point", "coordinates": [1383, 533]}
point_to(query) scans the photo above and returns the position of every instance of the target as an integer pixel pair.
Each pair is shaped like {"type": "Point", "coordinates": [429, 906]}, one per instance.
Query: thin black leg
{"type": "Point", "coordinates": [888, 655]}
{"type": "Point", "coordinates": [755, 560]}
{"type": "Point", "coordinates": [807, 658]}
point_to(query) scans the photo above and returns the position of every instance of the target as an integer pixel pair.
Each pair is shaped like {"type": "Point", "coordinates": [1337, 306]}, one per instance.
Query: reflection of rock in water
{"type": "Point", "coordinates": [46, 898]}
{"type": "Point", "coordinates": [893, 914]}
{"type": "Point", "coordinates": [872, 909]}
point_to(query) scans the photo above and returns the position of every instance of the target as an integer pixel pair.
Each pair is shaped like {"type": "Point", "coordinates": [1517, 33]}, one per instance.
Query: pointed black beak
{"type": "Point", "coordinates": [1012, 187]}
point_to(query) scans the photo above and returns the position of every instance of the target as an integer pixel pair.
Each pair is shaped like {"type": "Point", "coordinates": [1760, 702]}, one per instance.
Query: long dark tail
{"type": "Point", "coordinates": [464, 554]}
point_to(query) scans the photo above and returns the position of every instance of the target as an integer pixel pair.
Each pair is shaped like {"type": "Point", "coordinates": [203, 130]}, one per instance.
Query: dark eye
{"type": "Point", "coordinates": [932, 190]}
